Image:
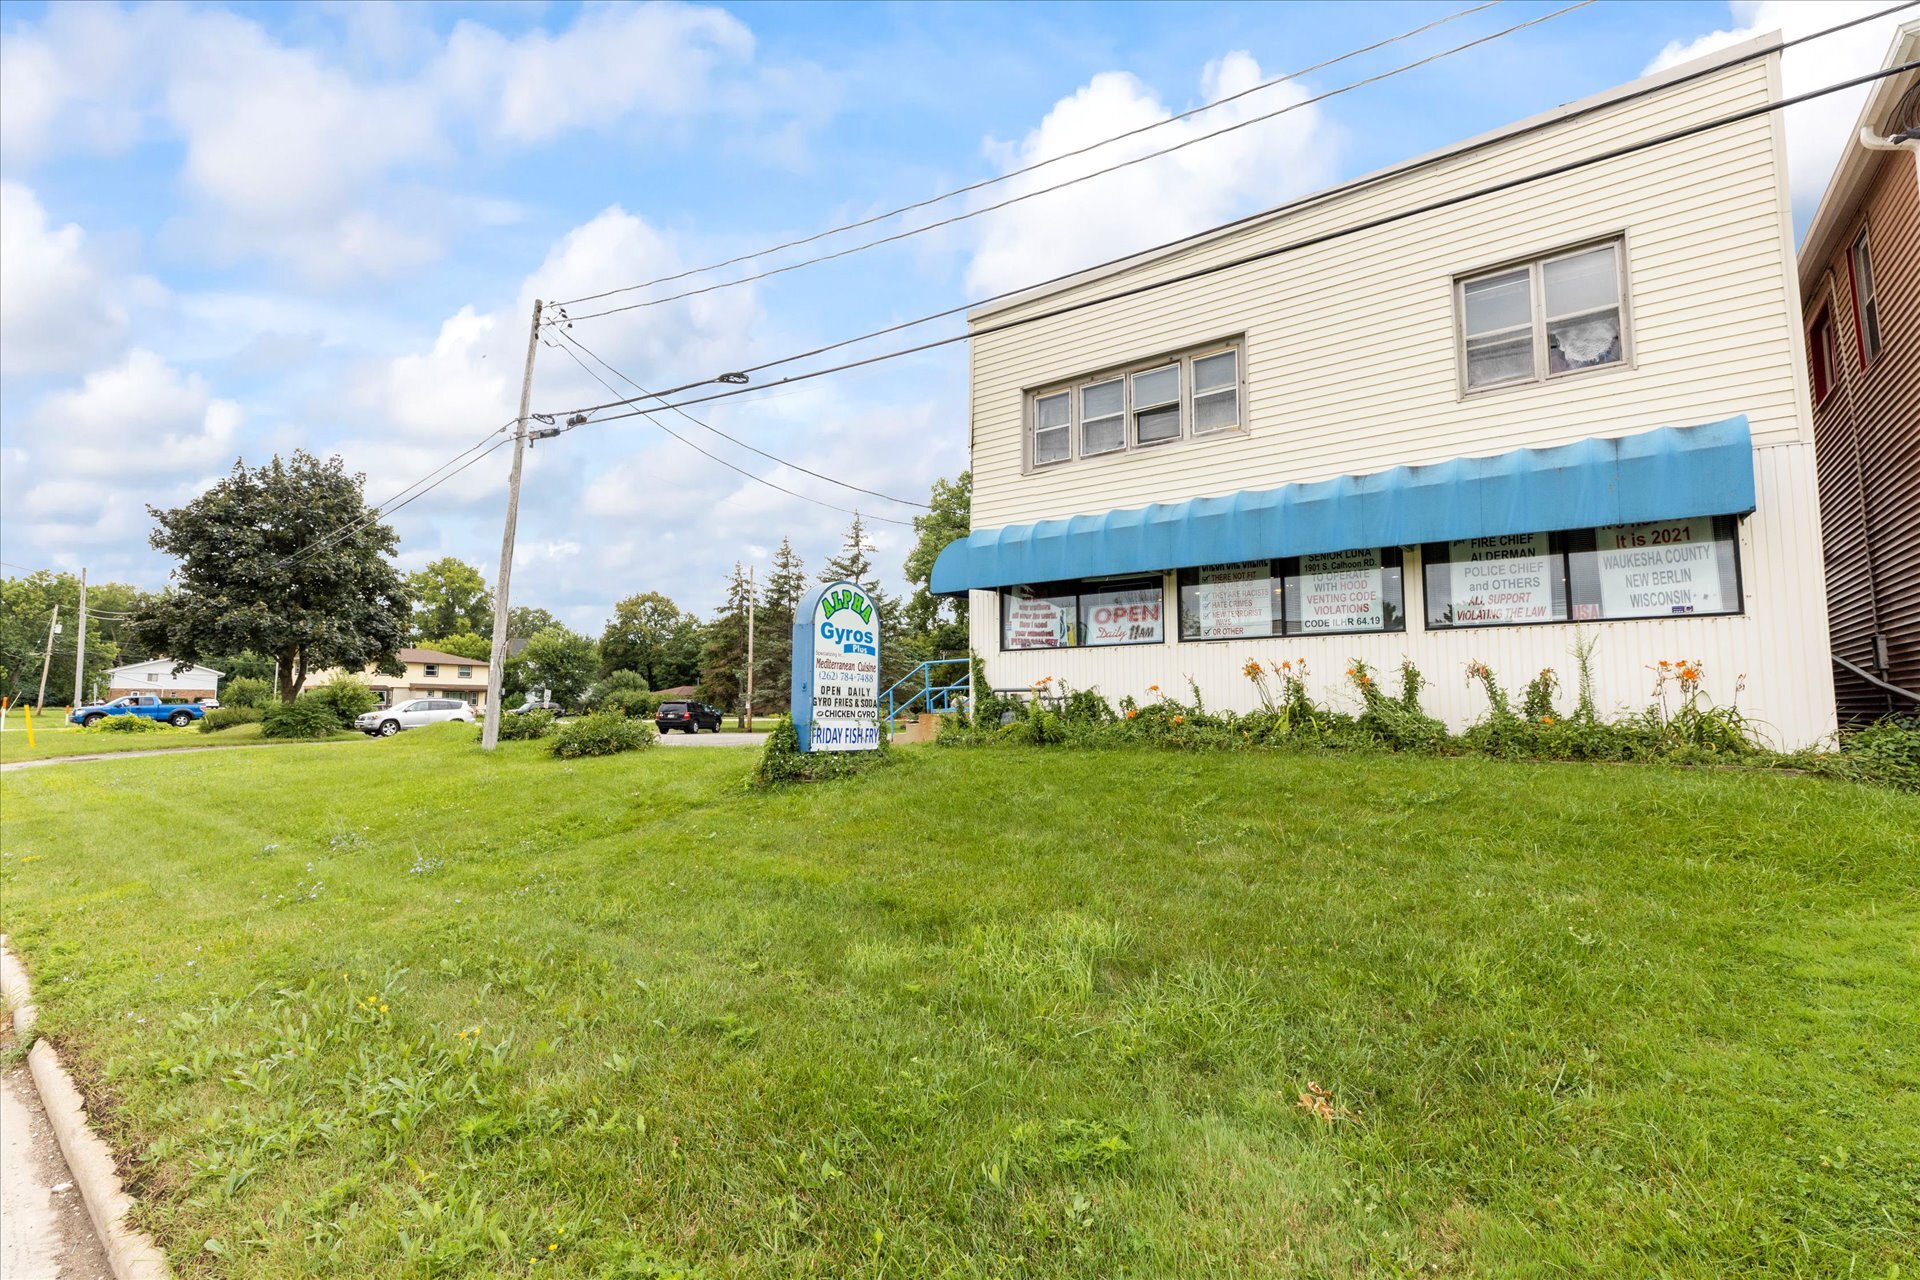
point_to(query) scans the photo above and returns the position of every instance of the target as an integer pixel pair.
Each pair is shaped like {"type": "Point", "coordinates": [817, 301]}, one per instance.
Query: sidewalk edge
{"type": "Point", "coordinates": [130, 1252]}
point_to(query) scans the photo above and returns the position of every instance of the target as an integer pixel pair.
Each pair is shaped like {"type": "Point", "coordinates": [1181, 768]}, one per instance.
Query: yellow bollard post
{"type": "Point", "coordinates": [27, 711]}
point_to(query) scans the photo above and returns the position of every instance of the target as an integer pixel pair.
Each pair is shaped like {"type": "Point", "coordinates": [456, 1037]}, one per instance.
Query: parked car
{"type": "Point", "coordinates": [146, 705]}
{"type": "Point", "coordinates": [387, 721]}
{"type": "Point", "coordinates": [691, 716]}
{"type": "Point", "coordinates": [535, 706]}
{"type": "Point", "coordinates": [211, 704]}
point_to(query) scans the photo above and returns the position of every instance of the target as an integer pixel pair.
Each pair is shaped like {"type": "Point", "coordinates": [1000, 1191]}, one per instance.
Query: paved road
{"type": "Point", "coordinates": [725, 738]}
{"type": "Point", "coordinates": [44, 1231]}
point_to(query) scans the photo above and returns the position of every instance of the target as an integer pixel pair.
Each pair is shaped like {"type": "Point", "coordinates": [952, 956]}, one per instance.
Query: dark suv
{"type": "Point", "coordinates": [691, 716]}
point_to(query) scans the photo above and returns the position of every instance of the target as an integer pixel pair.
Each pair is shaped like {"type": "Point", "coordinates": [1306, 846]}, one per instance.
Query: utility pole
{"type": "Point", "coordinates": [497, 662]}
{"type": "Point", "coordinates": [750, 597]}
{"type": "Point", "coordinates": [53, 629]}
{"type": "Point", "coordinates": [80, 652]}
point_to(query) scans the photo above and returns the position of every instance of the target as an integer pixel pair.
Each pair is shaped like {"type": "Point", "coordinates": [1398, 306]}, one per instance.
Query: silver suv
{"type": "Point", "coordinates": [388, 721]}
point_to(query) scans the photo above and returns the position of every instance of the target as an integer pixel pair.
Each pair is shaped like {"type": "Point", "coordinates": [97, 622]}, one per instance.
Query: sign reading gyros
{"type": "Point", "coordinates": [836, 670]}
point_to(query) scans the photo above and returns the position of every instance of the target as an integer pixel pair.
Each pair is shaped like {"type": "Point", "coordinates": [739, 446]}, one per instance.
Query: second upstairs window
{"type": "Point", "coordinates": [1191, 395]}
{"type": "Point", "coordinates": [1564, 313]}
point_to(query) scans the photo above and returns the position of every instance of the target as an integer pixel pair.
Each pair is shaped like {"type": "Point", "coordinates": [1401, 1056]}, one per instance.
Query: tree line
{"type": "Point", "coordinates": [283, 570]}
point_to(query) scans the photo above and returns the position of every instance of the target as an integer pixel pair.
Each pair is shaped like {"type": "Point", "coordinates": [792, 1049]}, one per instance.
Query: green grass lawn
{"type": "Point", "coordinates": [412, 1011]}
{"type": "Point", "coordinates": [74, 741]}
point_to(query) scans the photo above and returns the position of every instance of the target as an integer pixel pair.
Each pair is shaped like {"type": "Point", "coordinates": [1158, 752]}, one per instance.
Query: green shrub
{"type": "Point", "coordinates": [350, 697]}
{"type": "Point", "coordinates": [244, 692]}
{"type": "Point", "coordinates": [604, 733]}
{"type": "Point", "coordinates": [227, 717]}
{"type": "Point", "coordinates": [126, 724]}
{"type": "Point", "coordinates": [782, 762]}
{"type": "Point", "coordinates": [1886, 751]}
{"type": "Point", "coordinates": [526, 726]}
{"type": "Point", "coordinates": [307, 716]}
{"type": "Point", "coordinates": [635, 704]}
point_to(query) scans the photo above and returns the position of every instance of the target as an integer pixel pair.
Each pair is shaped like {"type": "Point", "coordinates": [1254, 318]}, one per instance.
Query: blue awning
{"type": "Point", "coordinates": [1665, 474]}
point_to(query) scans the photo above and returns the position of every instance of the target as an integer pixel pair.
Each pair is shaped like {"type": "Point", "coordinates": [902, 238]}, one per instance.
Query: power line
{"type": "Point", "coordinates": [395, 503]}
{"type": "Point", "coordinates": [649, 415]}
{"type": "Point", "coordinates": [1085, 177]}
{"type": "Point", "coordinates": [908, 502]}
{"type": "Point", "coordinates": [1338, 233]}
{"type": "Point", "coordinates": [1038, 164]}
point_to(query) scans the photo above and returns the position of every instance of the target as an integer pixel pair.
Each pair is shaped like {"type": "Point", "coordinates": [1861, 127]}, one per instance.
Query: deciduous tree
{"type": "Point", "coordinates": [450, 597]}
{"type": "Point", "coordinates": [562, 662]}
{"type": "Point", "coordinates": [650, 634]}
{"type": "Point", "coordinates": [285, 559]}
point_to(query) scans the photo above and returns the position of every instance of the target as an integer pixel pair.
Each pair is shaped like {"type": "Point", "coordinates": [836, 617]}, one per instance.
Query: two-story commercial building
{"type": "Point", "coordinates": [1860, 281]}
{"type": "Point", "coordinates": [1469, 408]}
{"type": "Point", "coordinates": [430, 674]}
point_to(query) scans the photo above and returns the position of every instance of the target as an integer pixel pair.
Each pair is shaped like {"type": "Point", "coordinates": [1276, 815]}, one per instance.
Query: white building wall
{"type": "Point", "coordinates": [1350, 345]}
{"type": "Point", "coordinates": [1351, 367]}
{"type": "Point", "coordinates": [1778, 645]}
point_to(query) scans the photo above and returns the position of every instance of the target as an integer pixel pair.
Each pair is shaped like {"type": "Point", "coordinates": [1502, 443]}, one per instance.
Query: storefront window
{"type": "Point", "coordinates": [1657, 570]}
{"type": "Point", "coordinates": [1329, 594]}
{"type": "Point", "coordinates": [1661, 569]}
{"type": "Point", "coordinates": [1065, 615]}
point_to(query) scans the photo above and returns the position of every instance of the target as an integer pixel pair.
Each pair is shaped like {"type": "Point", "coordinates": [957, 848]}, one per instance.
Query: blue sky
{"type": "Point", "coordinates": [241, 229]}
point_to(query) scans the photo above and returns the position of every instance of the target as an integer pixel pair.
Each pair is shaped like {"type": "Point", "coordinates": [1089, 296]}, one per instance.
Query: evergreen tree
{"type": "Point", "coordinates": [773, 645]}
{"type": "Point", "coordinates": [723, 659]}
{"type": "Point", "coordinates": [855, 564]}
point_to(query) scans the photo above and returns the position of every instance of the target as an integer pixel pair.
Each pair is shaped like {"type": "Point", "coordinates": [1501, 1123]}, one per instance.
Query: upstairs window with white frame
{"type": "Point", "coordinates": [1556, 315]}
{"type": "Point", "coordinates": [1153, 403]}
{"type": "Point", "coordinates": [1866, 306]}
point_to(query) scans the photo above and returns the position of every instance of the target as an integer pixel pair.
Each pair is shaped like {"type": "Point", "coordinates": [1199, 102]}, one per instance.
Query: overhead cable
{"type": "Point", "coordinates": [1276, 251]}
{"type": "Point", "coordinates": [1332, 193]}
{"type": "Point", "coordinates": [649, 415]}
{"type": "Point", "coordinates": [659, 396]}
{"type": "Point", "coordinates": [1038, 164]}
{"type": "Point", "coordinates": [563, 316]}
{"type": "Point", "coordinates": [396, 502]}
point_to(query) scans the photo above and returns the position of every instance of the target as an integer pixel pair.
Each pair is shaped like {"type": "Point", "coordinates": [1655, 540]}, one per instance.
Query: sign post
{"type": "Point", "coordinates": [836, 670]}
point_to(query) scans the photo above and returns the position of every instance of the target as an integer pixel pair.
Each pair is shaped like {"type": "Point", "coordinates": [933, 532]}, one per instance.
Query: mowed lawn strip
{"type": "Point", "coordinates": [413, 1010]}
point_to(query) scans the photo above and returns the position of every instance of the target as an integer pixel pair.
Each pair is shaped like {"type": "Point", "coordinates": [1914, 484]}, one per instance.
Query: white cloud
{"type": "Point", "coordinates": [1156, 200]}
{"type": "Point", "coordinates": [659, 59]}
{"type": "Point", "coordinates": [138, 417]}
{"type": "Point", "coordinates": [1817, 130]}
{"type": "Point", "coordinates": [294, 156]}
{"type": "Point", "coordinates": [56, 313]}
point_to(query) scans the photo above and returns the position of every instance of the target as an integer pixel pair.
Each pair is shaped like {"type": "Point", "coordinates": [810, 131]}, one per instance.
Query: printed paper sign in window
{"type": "Point", "coordinates": [1035, 621]}
{"type": "Point", "coordinates": [1342, 591]}
{"type": "Point", "coordinates": [1658, 569]}
{"type": "Point", "coordinates": [1507, 579]}
{"type": "Point", "coordinates": [1234, 600]}
{"type": "Point", "coordinates": [1129, 615]}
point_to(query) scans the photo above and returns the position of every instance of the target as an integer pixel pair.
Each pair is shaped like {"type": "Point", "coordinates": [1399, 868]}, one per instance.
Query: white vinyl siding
{"type": "Point", "coordinates": [1774, 645]}
{"type": "Point", "coordinates": [1349, 351]}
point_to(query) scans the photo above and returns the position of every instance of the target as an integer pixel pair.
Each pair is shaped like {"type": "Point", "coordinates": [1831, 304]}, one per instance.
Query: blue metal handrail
{"type": "Point", "coordinates": [941, 696]}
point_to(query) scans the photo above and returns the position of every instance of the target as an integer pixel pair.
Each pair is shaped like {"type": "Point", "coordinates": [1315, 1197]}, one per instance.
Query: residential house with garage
{"type": "Point", "coordinates": [429, 674]}
{"type": "Point", "coordinates": [189, 683]}
{"type": "Point", "coordinates": [1540, 386]}
{"type": "Point", "coordinates": [1860, 288]}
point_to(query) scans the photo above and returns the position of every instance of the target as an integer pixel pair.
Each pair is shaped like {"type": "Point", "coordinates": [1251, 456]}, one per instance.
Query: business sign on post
{"type": "Point", "coordinates": [836, 670]}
